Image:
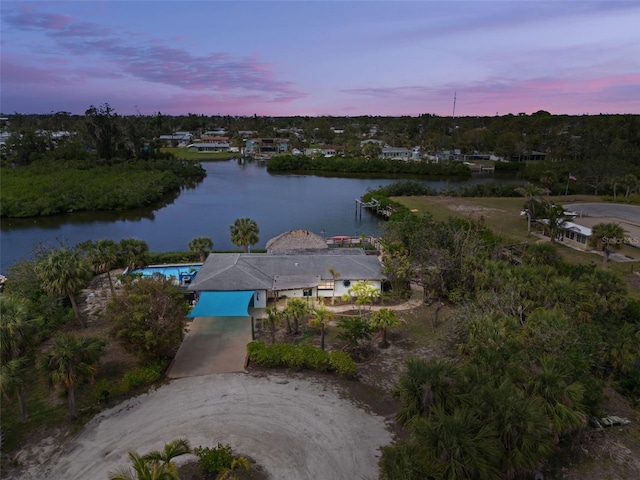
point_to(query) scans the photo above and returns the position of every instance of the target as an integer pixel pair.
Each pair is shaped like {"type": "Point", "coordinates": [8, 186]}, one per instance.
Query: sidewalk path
{"type": "Point", "coordinates": [414, 301]}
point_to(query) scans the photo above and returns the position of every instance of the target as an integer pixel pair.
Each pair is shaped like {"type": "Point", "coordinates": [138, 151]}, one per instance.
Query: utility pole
{"type": "Point", "coordinates": [454, 105]}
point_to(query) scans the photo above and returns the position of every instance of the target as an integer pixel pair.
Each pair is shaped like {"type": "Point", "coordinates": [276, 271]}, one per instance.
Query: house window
{"type": "Point", "coordinates": [326, 285]}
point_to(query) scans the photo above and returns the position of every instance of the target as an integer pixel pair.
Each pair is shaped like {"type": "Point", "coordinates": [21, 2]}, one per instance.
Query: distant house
{"type": "Point", "coordinates": [266, 146]}
{"type": "Point", "coordinates": [396, 153]}
{"type": "Point", "coordinates": [176, 138]}
{"type": "Point", "coordinates": [528, 156]}
{"type": "Point", "coordinates": [210, 143]}
{"type": "Point", "coordinates": [324, 150]}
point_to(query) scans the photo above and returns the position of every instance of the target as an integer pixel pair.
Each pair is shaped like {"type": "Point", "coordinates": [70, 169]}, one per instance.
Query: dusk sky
{"type": "Point", "coordinates": [342, 58]}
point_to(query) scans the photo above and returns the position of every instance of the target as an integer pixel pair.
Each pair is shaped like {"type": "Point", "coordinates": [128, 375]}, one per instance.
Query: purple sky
{"type": "Point", "coordinates": [325, 57]}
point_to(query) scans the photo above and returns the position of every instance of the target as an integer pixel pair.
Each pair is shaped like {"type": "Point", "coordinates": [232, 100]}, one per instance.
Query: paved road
{"type": "Point", "coordinates": [629, 213]}
{"type": "Point", "coordinates": [296, 428]}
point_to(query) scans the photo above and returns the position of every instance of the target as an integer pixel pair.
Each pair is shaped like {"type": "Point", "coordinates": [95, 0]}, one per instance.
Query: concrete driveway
{"type": "Point", "coordinates": [297, 428]}
{"type": "Point", "coordinates": [212, 345]}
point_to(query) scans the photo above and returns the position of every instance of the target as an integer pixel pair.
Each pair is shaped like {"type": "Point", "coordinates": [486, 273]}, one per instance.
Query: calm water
{"type": "Point", "coordinates": [278, 203]}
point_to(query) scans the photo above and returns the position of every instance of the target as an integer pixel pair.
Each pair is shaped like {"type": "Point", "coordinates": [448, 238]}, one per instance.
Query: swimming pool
{"type": "Point", "coordinates": [183, 273]}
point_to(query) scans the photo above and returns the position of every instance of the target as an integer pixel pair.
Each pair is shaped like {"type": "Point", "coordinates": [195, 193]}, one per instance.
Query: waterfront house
{"type": "Point", "coordinates": [254, 278]}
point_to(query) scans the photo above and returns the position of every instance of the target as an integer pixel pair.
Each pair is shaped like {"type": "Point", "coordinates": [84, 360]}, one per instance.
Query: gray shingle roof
{"type": "Point", "coordinates": [258, 271]}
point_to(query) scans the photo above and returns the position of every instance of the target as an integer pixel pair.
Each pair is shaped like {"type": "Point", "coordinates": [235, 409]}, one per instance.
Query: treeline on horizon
{"type": "Point", "coordinates": [301, 163]}
{"type": "Point", "coordinates": [602, 152]}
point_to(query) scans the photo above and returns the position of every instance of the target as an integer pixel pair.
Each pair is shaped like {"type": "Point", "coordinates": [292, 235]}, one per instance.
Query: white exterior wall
{"type": "Point", "coordinates": [260, 299]}
{"type": "Point", "coordinates": [340, 289]}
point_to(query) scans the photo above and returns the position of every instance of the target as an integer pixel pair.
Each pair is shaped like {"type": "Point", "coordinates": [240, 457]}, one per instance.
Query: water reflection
{"type": "Point", "coordinates": [232, 189]}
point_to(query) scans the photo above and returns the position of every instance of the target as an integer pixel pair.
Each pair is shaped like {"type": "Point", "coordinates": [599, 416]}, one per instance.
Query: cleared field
{"type": "Point", "coordinates": [502, 215]}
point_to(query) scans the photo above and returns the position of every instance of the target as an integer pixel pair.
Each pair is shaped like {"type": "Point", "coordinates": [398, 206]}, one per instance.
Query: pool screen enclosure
{"type": "Point", "coordinates": [222, 304]}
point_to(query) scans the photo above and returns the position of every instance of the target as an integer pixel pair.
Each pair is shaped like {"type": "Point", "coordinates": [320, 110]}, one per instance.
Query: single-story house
{"type": "Point", "coordinates": [576, 235]}
{"type": "Point", "coordinates": [253, 278]}
{"type": "Point", "coordinates": [573, 234]}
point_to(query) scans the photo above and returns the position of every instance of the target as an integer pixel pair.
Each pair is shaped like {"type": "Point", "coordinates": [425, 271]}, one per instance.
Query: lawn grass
{"type": "Point", "coordinates": [501, 215]}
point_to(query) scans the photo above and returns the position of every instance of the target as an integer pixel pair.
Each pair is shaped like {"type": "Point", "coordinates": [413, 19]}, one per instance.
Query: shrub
{"type": "Point", "coordinates": [315, 358]}
{"type": "Point", "coordinates": [342, 363]}
{"type": "Point", "coordinates": [290, 356]}
{"type": "Point", "coordinates": [214, 460]}
{"type": "Point", "coordinates": [142, 376]}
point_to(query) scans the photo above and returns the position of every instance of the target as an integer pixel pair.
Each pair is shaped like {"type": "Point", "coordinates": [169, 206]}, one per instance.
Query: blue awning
{"type": "Point", "coordinates": [222, 304]}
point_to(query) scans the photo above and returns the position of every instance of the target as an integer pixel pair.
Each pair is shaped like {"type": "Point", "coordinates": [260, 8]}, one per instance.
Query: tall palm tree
{"type": "Point", "coordinates": [384, 319]}
{"type": "Point", "coordinates": [244, 232]}
{"type": "Point", "coordinates": [103, 256]}
{"type": "Point", "coordinates": [202, 246]}
{"type": "Point", "coordinates": [18, 336]}
{"type": "Point", "coordinates": [134, 252]}
{"type": "Point", "coordinates": [532, 194]}
{"type": "Point", "coordinates": [71, 359]}
{"type": "Point", "coordinates": [554, 224]}
{"type": "Point", "coordinates": [334, 276]}
{"type": "Point", "coordinates": [321, 317]}
{"type": "Point", "coordinates": [64, 272]}
{"type": "Point", "coordinates": [273, 319]}
{"type": "Point", "coordinates": [607, 237]}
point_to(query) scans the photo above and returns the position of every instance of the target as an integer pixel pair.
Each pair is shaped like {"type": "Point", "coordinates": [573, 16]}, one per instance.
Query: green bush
{"type": "Point", "coordinates": [315, 358]}
{"type": "Point", "coordinates": [298, 357]}
{"type": "Point", "coordinates": [142, 376]}
{"type": "Point", "coordinates": [294, 358]}
{"type": "Point", "coordinates": [342, 363]}
{"type": "Point", "coordinates": [214, 460]}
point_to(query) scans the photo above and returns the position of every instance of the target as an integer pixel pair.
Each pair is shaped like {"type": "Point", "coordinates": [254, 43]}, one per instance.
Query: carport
{"type": "Point", "coordinates": [217, 339]}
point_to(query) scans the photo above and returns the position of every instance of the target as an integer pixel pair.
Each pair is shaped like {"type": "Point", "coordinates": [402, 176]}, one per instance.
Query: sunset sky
{"type": "Point", "coordinates": [341, 58]}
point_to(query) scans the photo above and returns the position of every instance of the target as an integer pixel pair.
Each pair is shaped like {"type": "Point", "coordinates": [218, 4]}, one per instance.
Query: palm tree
{"type": "Point", "coordinates": [71, 359]}
{"type": "Point", "coordinates": [321, 317]}
{"type": "Point", "coordinates": [296, 308]}
{"type": "Point", "coordinates": [273, 319]}
{"type": "Point", "coordinates": [156, 465]}
{"type": "Point", "coordinates": [103, 256]}
{"type": "Point", "coordinates": [532, 194]}
{"type": "Point", "coordinates": [521, 423]}
{"type": "Point", "coordinates": [237, 463]}
{"type": "Point", "coordinates": [554, 223]}
{"type": "Point", "coordinates": [18, 335]}
{"type": "Point", "coordinates": [143, 470]}
{"type": "Point", "coordinates": [202, 246]}
{"type": "Point", "coordinates": [459, 444]}
{"type": "Point", "coordinates": [244, 232]}
{"type": "Point", "coordinates": [425, 385]}
{"type": "Point", "coordinates": [12, 380]}
{"type": "Point", "coordinates": [64, 272]}
{"type": "Point", "coordinates": [334, 275]}
{"type": "Point", "coordinates": [562, 398]}
{"type": "Point", "coordinates": [384, 319]}
{"type": "Point", "coordinates": [134, 252]}
{"type": "Point", "coordinates": [607, 237]}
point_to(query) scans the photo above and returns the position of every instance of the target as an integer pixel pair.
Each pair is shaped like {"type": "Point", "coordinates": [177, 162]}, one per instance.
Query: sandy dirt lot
{"type": "Point", "coordinates": [296, 428]}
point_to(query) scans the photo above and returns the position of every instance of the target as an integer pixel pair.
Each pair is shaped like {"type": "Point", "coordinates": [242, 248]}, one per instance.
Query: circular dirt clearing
{"type": "Point", "coordinates": [295, 428]}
